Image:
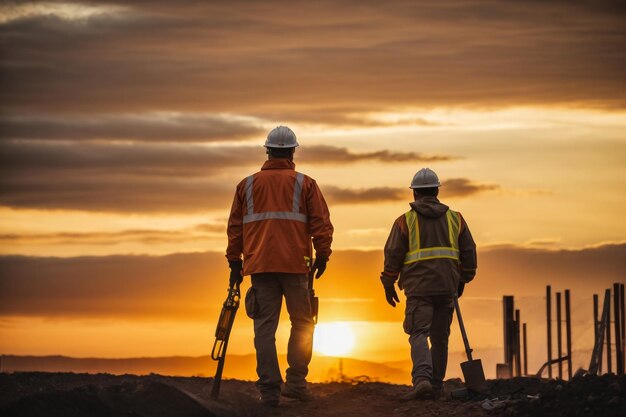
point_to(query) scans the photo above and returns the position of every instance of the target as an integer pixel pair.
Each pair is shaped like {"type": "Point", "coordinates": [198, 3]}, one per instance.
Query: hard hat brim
{"type": "Point", "coordinates": [414, 187]}
{"type": "Point", "coordinates": [281, 146]}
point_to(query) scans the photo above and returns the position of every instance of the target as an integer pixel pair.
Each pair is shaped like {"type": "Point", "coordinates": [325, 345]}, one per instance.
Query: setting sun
{"type": "Point", "coordinates": [334, 339]}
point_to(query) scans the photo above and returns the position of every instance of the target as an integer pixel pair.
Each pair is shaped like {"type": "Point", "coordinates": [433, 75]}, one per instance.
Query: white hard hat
{"type": "Point", "coordinates": [281, 137]}
{"type": "Point", "coordinates": [425, 178]}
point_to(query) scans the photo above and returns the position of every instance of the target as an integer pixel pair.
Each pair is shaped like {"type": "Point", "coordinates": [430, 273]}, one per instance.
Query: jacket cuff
{"type": "Point", "coordinates": [388, 278]}
{"type": "Point", "coordinates": [467, 274]}
{"type": "Point", "coordinates": [322, 255]}
{"type": "Point", "coordinates": [238, 264]}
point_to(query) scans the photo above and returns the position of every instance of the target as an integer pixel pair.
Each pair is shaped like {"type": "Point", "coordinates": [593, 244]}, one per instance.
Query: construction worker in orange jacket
{"type": "Point", "coordinates": [432, 254]}
{"type": "Point", "coordinates": [276, 214]}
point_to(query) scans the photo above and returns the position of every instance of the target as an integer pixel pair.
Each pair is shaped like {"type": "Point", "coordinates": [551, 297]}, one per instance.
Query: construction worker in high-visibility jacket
{"type": "Point", "coordinates": [431, 253]}
{"type": "Point", "coordinates": [276, 214]}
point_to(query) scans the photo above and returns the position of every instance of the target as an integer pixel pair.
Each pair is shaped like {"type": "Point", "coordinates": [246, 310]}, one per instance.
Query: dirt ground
{"type": "Point", "coordinates": [36, 394]}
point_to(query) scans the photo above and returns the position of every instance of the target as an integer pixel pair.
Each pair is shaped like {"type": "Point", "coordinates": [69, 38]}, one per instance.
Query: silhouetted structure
{"type": "Point", "coordinates": [549, 327]}
{"type": "Point", "coordinates": [619, 364]}
{"type": "Point", "coordinates": [568, 334]}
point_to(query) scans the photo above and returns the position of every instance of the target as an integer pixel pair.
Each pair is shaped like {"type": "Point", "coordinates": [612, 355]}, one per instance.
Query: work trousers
{"type": "Point", "coordinates": [269, 289]}
{"type": "Point", "coordinates": [429, 316]}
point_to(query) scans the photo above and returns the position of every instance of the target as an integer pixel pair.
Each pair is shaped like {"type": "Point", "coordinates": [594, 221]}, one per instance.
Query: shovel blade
{"type": "Point", "coordinates": [474, 375]}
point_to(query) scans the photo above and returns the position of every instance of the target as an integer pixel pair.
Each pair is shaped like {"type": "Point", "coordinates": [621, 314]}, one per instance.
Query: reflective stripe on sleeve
{"type": "Point", "coordinates": [454, 227]}
{"type": "Point", "coordinates": [297, 192]}
{"type": "Point", "coordinates": [413, 229]}
{"type": "Point", "coordinates": [249, 199]}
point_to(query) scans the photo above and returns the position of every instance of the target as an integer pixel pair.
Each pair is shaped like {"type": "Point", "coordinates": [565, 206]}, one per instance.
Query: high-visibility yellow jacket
{"type": "Point", "coordinates": [430, 250]}
{"type": "Point", "coordinates": [275, 215]}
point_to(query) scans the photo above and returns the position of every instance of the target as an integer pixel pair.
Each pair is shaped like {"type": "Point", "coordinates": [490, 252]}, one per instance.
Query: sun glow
{"type": "Point", "coordinates": [334, 339]}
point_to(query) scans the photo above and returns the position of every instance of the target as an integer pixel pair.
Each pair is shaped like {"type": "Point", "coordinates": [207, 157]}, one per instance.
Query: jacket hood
{"type": "Point", "coordinates": [429, 207]}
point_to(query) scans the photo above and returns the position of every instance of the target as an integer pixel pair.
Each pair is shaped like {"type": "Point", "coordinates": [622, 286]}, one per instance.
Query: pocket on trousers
{"type": "Point", "coordinates": [250, 302]}
{"type": "Point", "coordinates": [409, 318]}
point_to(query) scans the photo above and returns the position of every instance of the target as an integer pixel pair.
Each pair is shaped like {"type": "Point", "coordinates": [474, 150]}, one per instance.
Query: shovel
{"type": "Point", "coordinates": [473, 368]}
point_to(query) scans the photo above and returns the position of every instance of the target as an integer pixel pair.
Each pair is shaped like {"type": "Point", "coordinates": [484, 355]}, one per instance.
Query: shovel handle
{"type": "Point", "coordinates": [468, 350]}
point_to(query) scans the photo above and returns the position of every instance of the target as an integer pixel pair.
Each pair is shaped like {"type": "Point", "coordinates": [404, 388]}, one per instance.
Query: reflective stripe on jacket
{"type": "Point", "coordinates": [294, 214]}
{"type": "Point", "coordinates": [276, 214]}
{"type": "Point", "coordinates": [416, 253]}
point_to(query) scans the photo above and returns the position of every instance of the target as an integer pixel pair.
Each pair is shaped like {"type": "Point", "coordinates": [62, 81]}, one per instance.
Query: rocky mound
{"type": "Point", "coordinates": [129, 399]}
{"type": "Point", "coordinates": [104, 395]}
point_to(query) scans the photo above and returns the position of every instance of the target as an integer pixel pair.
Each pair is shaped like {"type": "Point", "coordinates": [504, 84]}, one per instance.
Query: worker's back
{"type": "Point", "coordinates": [433, 275]}
{"type": "Point", "coordinates": [281, 210]}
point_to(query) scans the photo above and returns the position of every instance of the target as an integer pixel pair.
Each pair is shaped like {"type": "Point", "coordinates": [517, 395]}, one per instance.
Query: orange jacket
{"type": "Point", "coordinates": [275, 214]}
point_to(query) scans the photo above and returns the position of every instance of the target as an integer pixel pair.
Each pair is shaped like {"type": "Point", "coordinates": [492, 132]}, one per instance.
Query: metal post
{"type": "Point", "coordinates": [621, 296]}
{"type": "Point", "coordinates": [341, 375]}
{"type": "Point", "coordinates": [509, 335]}
{"type": "Point", "coordinates": [559, 349]}
{"type": "Point", "coordinates": [518, 358]}
{"type": "Point", "coordinates": [568, 334]}
{"type": "Point", "coordinates": [596, 357]}
{"type": "Point", "coordinates": [549, 324]}
{"type": "Point", "coordinates": [595, 316]}
{"type": "Point", "coordinates": [525, 351]}
{"type": "Point", "coordinates": [619, 366]}
{"type": "Point", "coordinates": [596, 322]}
{"type": "Point", "coordinates": [609, 359]}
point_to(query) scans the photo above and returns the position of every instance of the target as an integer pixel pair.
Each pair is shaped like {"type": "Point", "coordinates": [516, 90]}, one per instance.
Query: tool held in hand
{"type": "Point", "coordinates": [315, 302]}
{"type": "Point", "coordinates": [473, 368]}
{"type": "Point", "coordinates": [222, 334]}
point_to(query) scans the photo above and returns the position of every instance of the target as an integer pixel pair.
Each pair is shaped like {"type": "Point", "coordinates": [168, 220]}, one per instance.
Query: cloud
{"type": "Point", "coordinates": [337, 195]}
{"type": "Point", "coordinates": [344, 116]}
{"type": "Point", "coordinates": [142, 177]}
{"type": "Point", "coordinates": [49, 158]}
{"type": "Point", "coordinates": [146, 236]}
{"type": "Point", "coordinates": [70, 11]}
{"type": "Point", "coordinates": [331, 154]}
{"type": "Point", "coordinates": [140, 127]}
{"type": "Point", "coordinates": [456, 187]}
{"type": "Point", "coordinates": [117, 193]}
{"type": "Point", "coordinates": [192, 285]}
{"type": "Point", "coordinates": [19, 159]}
{"type": "Point", "coordinates": [130, 286]}
{"type": "Point", "coordinates": [344, 59]}
{"type": "Point", "coordinates": [132, 195]}
{"type": "Point", "coordinates": [463, 187]}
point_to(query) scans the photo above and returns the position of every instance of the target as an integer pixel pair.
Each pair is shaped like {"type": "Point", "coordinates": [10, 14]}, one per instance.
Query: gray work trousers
{"type": "Point", "coordinates": [429, 316]}
{"type": "Point", "coordinates": [269, 289]}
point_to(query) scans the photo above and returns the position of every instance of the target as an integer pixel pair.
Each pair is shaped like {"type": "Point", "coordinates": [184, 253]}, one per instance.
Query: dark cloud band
{"type": "Point", "coordinates": [144, 236]}
{"type": "Point", "coordinates": [455, 187]}
{"type": "Point", "coordinates": [144, 177]}
{"type": "Point", "coordinates": [192, 285]}
{"type": "Point", "coordinates": [155, 127]}
{"type": "Point", "coordinates": [344, 58]}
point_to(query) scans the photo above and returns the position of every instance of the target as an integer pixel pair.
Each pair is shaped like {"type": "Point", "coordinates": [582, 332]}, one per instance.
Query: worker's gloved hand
{"type": "Point", "coordinates": [459, 291]}
{"type": "Point", "coordinates": [236, 276]}
{"type": "Point", "coordinates": [319, 266]}
{"type": "Point", "coordinates": [391, 295]}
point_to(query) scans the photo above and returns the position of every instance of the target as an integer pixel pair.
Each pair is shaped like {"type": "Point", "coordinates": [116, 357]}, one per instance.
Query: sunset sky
{"type": "Point", "coordinates": [125, 127]}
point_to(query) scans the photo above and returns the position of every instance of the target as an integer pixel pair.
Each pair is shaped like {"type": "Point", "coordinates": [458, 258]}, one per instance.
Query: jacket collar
{"type": "Point", "coordinates": [280, 163]}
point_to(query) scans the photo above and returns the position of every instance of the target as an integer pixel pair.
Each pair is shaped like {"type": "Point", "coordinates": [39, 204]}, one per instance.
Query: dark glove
{"type": "Point", "coordinates": [391, 295]}
{"type": "Point", "coordinates": [459, 291]}
{"type": "Point", "coordinates": [319, 266]}
{"type": "Point", "coordinates": [236, 275]}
